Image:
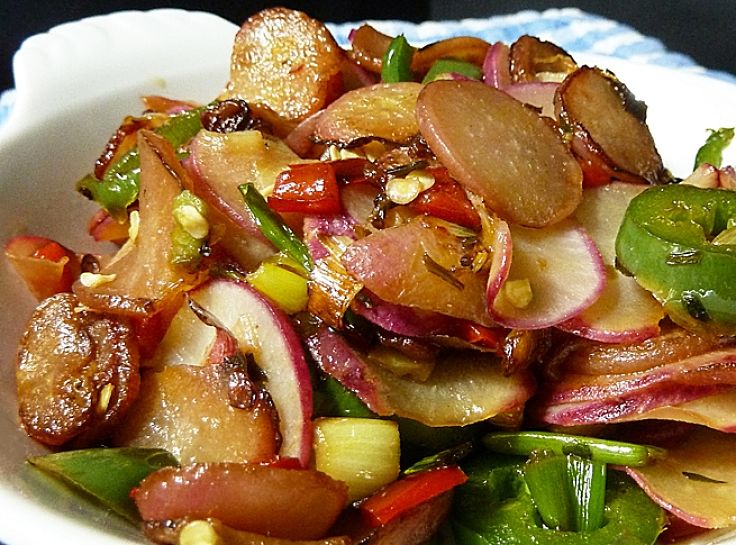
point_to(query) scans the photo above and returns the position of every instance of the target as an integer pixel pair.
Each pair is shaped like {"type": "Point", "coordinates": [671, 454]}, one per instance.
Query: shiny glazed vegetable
{"type": "Point", "coordinates": [392, 294]}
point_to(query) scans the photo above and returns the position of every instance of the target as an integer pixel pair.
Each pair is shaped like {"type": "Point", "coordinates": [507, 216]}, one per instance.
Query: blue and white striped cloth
{"type": "Point", "coordinates": [570, 28]}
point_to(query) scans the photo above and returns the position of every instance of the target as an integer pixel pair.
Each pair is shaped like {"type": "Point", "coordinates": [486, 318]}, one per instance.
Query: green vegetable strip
{"type": "Point", "coordinates": [452, 66]}
{"type": "Point", "coordinates": [547, 479]}
{"type": "Point", "coordinates": [118, 188]}
{"type": "Point", "coordinates": [588, 481]}
{"type": "Point", "coordinates": [444, 458]}
{"type": "Point", "coordinates": [602, 450]}
{"type": "Point", "coordinates": [274, 229]}
{"type": "Point", "coordinates": [712, 151]}
{"type": "Point", "coordinates": [396, 65]}
{"type": "Point", "coordinates": [108, 474]}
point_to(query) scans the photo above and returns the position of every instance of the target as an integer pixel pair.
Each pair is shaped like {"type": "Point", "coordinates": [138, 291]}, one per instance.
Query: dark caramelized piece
{"type": "Point", "coordinates": [77, 372]}
{"type": "Point", "coordinates": [610, 135]}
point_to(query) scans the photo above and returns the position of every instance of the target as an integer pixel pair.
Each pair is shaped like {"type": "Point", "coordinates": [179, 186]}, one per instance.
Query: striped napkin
{"type": "Point", "coordinates": [570, 28]}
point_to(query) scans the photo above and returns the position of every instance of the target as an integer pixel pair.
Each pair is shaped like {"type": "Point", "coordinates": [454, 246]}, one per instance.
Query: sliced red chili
{"type": "Point", "coordinates": [50, 251]}
{"type": "Point", "coordinates": [400, 496]}
{"type": "Point", "coordinates": [446, 200]}
{"type": "Point", "coordinates": [486, 337]}
{"type": "Point", "coordinates": [307, 188]}
{"type": "Point", "coordinates": [351, 170]}
{"type": "Point", "coordinates": [46, 266]}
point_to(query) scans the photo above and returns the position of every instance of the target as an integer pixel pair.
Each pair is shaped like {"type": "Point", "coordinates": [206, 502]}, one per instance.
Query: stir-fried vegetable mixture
{"type": "Point", "coordinates": [391, 294]}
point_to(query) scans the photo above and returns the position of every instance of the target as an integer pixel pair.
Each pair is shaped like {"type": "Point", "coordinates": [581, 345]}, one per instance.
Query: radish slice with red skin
{"type": "Point", "coordinates": [265, 331]}
{"type": "Point", "coordinates": [501, 247]}
{"type": "Point", "coordinates": [625, 312]}
{"type": "Point", "coordinates": [384, 111]}
{"type": "Point", "coordinates": [564, 270]}
{"type": "Point", "coordinates": [501, 150]}
{"type": "Point", "coordinates": [464, 388]}
{"type": "Point", "coordinates": [496, 71]}
{"type": "Point", "coordinates": [696, 480]}
{"type": "Point", "coordinates": [395, 263]}
{"type": "Point", "coordinates": [539, 94]}
{"type": "Point", "coordinates": [270, 500]}
{"type": "Point", "coordinates": [584, 399]}
{"type": "Point", "coordinates": [717, 411]}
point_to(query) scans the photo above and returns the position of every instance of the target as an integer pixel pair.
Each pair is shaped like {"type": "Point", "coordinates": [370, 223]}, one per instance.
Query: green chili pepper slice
{"type": "Point", "coordinates": [711, 151]}
{"type": "Point", "coordinates": [108, 474]}
{"type": "Point", "coordinates": [672, 241]}
{"type": "Point", "coordinates": [396, 65]}
{"type": "Point", "coordinates": [495, 507]}
{"type": "Point", "coordinates": [442, 67]}
{"type": "Point", "coordinates": [118, 188]}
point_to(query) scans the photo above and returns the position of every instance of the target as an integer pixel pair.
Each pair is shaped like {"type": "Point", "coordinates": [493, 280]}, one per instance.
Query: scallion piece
{"type": "Point", "coordinates": [396, 65]}
{"type": "Point", "coordinates": [588, 491]}
{"type": "Point", "coordinates": [712, 151]}
{"type": "Point", "coordinates": [547, 479]}
{"type": "Point", "coordinates": [274, 228]}
{"type": "Point", "coordinates": [601, 450]}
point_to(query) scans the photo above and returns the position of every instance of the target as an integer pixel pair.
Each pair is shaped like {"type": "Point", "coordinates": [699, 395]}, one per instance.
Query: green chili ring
{"type": "Point", "coordinates": [669, 241]}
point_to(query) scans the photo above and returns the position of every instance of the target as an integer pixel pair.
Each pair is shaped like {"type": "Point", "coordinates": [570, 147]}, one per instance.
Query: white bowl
{"type": "Point", "coordinates": [74, 85]}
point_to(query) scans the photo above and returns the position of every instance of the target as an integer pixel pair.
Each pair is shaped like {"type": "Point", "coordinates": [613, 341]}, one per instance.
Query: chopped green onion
{"type": "Point", "coordinates": [442, 67]}
{"type": "Point", "coordinates": [108, 474]}
{"type": "Point", "coordinates": [602, 450]}
{"type": "Point", "coordinates": [547, 479]}
{"type": "Point", "coordinates": [712, 151]}
{"type": "Point", "coordinates": [362, 452]}
{"type": "Point", "coordinates": [396, 64]}
{"type": "Point", "coordinates": [285, 287]}
{"type": "Point", "coordinates": [569, 491]}
{"type": "Point", "coordinates": [274, 228]}
{"type": "Point", "coordinates": [588, 481]}
{"type": "Point", "coordinates": [190, 228]}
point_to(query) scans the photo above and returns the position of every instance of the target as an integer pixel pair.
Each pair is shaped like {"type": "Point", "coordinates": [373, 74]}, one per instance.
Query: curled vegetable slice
{"type": "Point", "coordinates": [668, 241]}
{"type": "Point", "coordinates": [610, 135]}
{"type": "Point", "coordinates": [271, 500]}
{"type": "Point", "coordinates": [77, 372]}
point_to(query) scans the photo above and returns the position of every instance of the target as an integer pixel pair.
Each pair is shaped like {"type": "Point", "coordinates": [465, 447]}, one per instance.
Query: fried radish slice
{"type": "Point", "coordinates": [696, 481]}
{"type": "Point", "coordinates": [384, 111]}
{"type": "Point", "coordinates": [610, 135]}
{"type": "Point", "coordinates": [286, 66]}
{"type": "Point", "coordinates": [500, 150]}
{"type": "Point", "coordinates": [532, 59]}
{"type": "Point", "coordinates": [196, 413]}
{"type": "Point", "coordinates": [463, 48]}
{"type": "Point", "coordinates": [77, 372]}
{"type": "Point", "coordinates": [141, 279]}
{"type": "Point", "coordinates": [270, 500]}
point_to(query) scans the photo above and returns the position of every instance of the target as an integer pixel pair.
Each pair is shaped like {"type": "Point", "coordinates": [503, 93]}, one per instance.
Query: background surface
{"type": "Point", "coordinates": [702, 29]}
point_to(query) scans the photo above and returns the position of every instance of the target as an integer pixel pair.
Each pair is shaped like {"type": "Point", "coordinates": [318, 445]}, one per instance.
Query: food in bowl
{"type": "Point", "coordinates": [363, 294]}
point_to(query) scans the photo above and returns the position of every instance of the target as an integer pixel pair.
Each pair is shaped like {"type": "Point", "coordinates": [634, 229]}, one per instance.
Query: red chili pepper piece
{"type": "Point", "coordinates": [307, 188]}
{"type": "Point", "coordinates": [51, 251]}
{"type": "Point", "coordinates": [46, 266]}
{"type": "Point", "coordinates": [491, 338]}
{"type": "Point", "coordinates": [446, 200]}
{"type": "Point", "coordinates": [400, 496]}
{"type": "Point", "coordinates": [351, 170]}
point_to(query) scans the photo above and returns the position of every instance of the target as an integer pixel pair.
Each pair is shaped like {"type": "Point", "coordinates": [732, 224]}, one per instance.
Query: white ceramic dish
{"type": "Point", "coordinates": [74, 85]}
